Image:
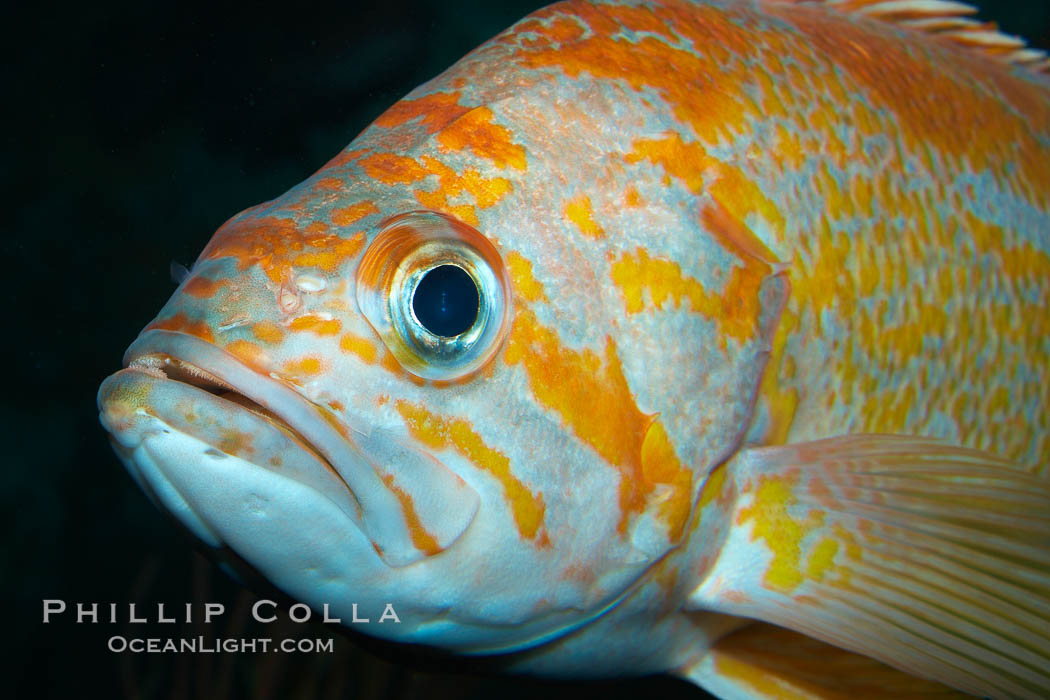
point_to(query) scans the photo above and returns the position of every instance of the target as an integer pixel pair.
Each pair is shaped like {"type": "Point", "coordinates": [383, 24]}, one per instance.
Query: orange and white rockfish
{"type": "Point", "coordinates": [707, 338]}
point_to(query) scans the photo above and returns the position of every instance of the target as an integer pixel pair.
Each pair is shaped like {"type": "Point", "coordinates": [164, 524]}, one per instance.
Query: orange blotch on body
{"type": "Point", "coordinates": [434, 112]}
{"type": "Point", "coordinates": [579, 211]}
{"type": "Point", "coordinates": [328, 184]}
{"type": "Point", "coordinates": [679, 159]}
{"type": "Point", "coordinates": [933, 100]}
{"type": "Point", "coordinates": [315, 324]}
{"type": "Point", "coordinates": [203, 287]}
{"type": "Point", "coordinates": [330, 252]}
{"type": "Point", "coordinates": [476, 131]}
{"type": "Point", "coordinates": [362, 347]}
{"type": "Point", "coordinates": [439, 433]}
{"type": "Point", "coordinates": [654, 64]}
{"type": "Point", "coordinates": [660, 465]}
{"type": "Point", "coordinates": [776, 393]}
{"type": "Point", "coordinates": [268, 332]}
{"type": "Point", "coordinates": [563, 29]}
{"type": "Point", "coordinates": [735, 196]}
{"type": "Point", "coordinates": [250, 354]}
{"type": "Point", "coordinates": [714, 488]}
{"type": "Point", "coordinates": [180, 322]}
{"type": "Point", "coordinates": [345, 216]}
{"type": "Point", "coordinates": [486, 191]}
{"type": "Point", "coordinates": [590, 393]}
{"type": "Point", "coordinates": [303, 367]}
{"type": "Point", "coordinates": [631, 198]}
{"type": "Point", "coordinates": [736, 310]}
{"type": "Point", "coordinates": [421, 539]}
{"type": "Point", "coordinates": [392, 168]}
{"type": "Point", "coordinates": [662, 279]}
{"type": "Point", "coordinates": [451, 183]}
{"type": "Point", "coordinates": [438, 201]}
{"type": "Point", "coordinates": [277, 245]}
{"type": "Point", "coordinates": [524, 283]}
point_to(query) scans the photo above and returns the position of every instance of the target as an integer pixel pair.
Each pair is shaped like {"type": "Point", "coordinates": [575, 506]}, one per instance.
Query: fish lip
{"type": "Point", "coordinates": [169, 368]}
{"type": "Point", "coordinates": [385, 506]}
{"type": "Point", "coordinates": [213, 366]}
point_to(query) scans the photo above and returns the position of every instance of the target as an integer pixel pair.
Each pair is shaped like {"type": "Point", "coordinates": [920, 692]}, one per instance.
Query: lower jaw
{"type": "Point", "coordinates": [385, 493]}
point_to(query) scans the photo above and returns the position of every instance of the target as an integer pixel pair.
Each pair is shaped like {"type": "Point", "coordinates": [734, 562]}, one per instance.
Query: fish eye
{"type": "Point", "coordinates": [436, 292]}
{"type": "Point", "coordinates": [445, 301]}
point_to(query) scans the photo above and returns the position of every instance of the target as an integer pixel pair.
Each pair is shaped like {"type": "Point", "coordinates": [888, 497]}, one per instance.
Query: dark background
{"type": "Point", "coordinates": [133, 131]}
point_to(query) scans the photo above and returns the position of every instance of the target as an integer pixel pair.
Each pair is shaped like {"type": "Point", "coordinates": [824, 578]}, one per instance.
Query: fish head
{"type": "Point", "coordinates": [477, 367]}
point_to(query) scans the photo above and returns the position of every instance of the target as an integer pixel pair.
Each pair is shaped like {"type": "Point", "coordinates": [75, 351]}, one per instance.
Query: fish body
{"type": "Point", "coordinates": [753, 328]}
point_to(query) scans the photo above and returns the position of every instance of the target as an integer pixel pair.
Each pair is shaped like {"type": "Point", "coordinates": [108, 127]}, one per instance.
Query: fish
{"type": "Point", "coordinates": [653, 336]}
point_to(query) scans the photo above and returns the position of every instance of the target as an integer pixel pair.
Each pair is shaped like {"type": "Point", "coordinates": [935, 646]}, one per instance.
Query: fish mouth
{"type": "Point", "coordinates": [194, 387]}
{"type": "Point", "coordinates": [166, 367]}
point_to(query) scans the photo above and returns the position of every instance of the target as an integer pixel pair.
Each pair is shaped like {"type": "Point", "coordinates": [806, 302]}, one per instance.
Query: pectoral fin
{"type": "Point", "coordinates": [931, 558]}
{"type": "Point", "coordinates": [763, 661]}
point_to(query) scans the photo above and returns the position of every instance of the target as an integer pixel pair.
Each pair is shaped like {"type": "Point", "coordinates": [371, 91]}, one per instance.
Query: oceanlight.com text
{"type": "Point", "coordinates": [212, 645]}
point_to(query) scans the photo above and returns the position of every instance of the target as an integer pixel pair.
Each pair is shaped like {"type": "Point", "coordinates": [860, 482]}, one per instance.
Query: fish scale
{"type": "Point", "coordinates": [761, 286]}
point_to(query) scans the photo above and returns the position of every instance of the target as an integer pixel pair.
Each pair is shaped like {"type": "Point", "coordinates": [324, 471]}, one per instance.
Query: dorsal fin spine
{"type": "Point", "coordinates": [949, 20]}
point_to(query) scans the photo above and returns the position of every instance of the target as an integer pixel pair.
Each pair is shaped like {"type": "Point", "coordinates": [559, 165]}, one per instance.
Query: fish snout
{"type": "Point", "coordinates": [184, 408]}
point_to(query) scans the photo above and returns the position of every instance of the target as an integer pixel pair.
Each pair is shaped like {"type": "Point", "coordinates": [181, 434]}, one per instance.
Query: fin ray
{"type": "Point", "coordinates": [765, 661]}
{"type": "Point", "coordinates": [928, 557]}
{"type": "Point", "coordinates": [947, 20]}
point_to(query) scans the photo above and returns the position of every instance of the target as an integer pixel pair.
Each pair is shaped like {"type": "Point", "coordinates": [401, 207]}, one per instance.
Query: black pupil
{"type": "Point", "coordinates": [446, 301]}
